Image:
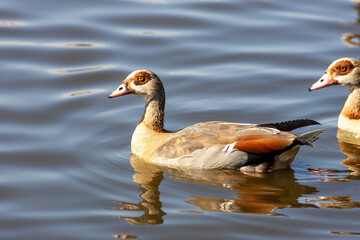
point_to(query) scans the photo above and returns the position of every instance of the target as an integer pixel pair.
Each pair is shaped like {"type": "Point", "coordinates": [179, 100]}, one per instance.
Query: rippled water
{"type": "Point", "coordinates": [66, 167]}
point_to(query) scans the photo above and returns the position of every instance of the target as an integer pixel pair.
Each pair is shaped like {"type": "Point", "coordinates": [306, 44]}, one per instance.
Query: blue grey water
{"type": "Point", "coordinates": [66, 169]}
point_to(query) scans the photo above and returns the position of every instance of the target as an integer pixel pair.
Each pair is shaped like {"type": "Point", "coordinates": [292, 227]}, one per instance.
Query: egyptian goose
{"type": "Point", "coordinates": [346, 72]}
{"type": "Point", "coordinates": [248, 147]}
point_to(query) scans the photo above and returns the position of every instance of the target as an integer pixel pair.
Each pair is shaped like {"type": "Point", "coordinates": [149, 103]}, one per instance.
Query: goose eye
{"type": "Point", "coordinates": [141, 78]}
{"type": "Point", "coordinates": [343, 69]}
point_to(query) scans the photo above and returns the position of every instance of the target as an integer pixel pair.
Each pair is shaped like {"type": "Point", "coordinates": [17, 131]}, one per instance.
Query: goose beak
{"type": "Point", "coordinates": [324, 81]}
{"type": "Point", "coordinates": [120, 91]}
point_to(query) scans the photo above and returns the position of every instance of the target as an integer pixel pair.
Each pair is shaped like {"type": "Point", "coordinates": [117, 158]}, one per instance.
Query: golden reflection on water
{"type": "Point", "coordinates": [124, 236]}
{"type": "Point", "coordinates": [254, 194]}
{"type": "Point", "coordinates": [11, 24]}
{"type": "Point", "coordinates": [336, 202]}
{"type": "Point", "coordinates": [149, 178]}
{"type": "Point", "coordinates": [350, 145]}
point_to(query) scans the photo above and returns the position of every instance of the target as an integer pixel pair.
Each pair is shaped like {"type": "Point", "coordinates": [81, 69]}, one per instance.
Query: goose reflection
{"type": "Point", "coordinates": [254, 193]}
{"type": "Point", "coordinates": [357, 8]}
{"type": "Point", "coordinates": [350, 145]}
{"type": "Point", "coordinates": [149, 178]}
{"type": "Point", "coordinates": [353, 39]}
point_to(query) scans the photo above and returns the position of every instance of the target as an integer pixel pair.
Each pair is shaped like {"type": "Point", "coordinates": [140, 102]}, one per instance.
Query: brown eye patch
{"type": "Point", "coordinates": [343, 67]}
{"type": "Point", "coordinates": [142, 78]}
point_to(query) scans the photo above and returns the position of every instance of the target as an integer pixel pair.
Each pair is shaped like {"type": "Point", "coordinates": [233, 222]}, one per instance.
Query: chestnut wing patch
{"type": "Point", "coordinates": [264, 143]}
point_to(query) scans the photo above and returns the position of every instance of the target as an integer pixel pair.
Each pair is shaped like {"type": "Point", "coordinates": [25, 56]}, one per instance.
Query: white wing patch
{"type": "Point", "coordinates": [229, 147]}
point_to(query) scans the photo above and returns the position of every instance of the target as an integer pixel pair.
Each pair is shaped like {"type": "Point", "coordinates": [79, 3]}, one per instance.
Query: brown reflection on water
{"type": "Point", "coordinates": [124, 236]}
{"type": "Point", "coordinates": [253, 194]}
{"type": "Point", "coordinates": [350, 145]}
{"type": "Point", "coordinates": [346, 233]}
{"type": "Point", "coordinates": [149, 178]}
{"type": "Point", "coordinates": [337, 202]}
{"type": "Point", "coordinates": [357, 8]}
{"type": "Point", "coordinates": [351, 39]}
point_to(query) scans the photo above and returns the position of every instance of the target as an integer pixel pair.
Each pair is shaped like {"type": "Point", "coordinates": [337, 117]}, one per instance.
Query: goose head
{"type": "Point", "coordinates": [344, 71]}
{"type": "Point", "coordinates": [143, 83]}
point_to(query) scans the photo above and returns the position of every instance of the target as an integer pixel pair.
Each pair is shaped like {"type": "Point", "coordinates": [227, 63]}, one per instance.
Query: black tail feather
{"type": "Point", "coordinates": [308, 138]}
{"type": "Point", "coordinates": [290, 125]}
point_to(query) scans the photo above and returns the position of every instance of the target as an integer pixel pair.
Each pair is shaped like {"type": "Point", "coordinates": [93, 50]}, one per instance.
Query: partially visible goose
{"type": "Point", "coordinates": [249, 147]}
{"type": "Point", "coordinates": [346, 72]}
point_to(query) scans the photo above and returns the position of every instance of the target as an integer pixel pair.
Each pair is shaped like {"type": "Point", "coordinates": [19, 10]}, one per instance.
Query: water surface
{"type": "Point", "coordinates": [66, 166]}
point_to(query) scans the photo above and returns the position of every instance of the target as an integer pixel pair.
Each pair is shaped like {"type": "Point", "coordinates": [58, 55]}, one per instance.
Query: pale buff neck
{"type": "Point", "coordinates": [351, 108]}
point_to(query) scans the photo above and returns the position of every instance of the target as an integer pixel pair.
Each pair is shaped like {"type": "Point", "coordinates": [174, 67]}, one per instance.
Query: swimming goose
{"type": "Point", "coordinates": [207, 145]}
{"type": "Point", "coordinates": [345, 72]}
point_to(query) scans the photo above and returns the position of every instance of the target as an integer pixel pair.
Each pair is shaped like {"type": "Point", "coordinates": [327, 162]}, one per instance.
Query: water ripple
{"type": "Point", "coordinates": [141, 32]}
{"type": "Point", "coordinates": [79, 70]}
{"type": "Point", "coordinates": [65, 147]}
{"type": "Point", "coordinates": [185, 73]}
{"type": "Point", "coordinates": [73, 45]}
{"type": "Point", "coordinates": [151, 1]}
{"type": "Point", "coordinates": [57, 45]}
{"type": "Point", "coordinates": [11, 24]}
{"type": "Point", "coordinates": [81, 93]}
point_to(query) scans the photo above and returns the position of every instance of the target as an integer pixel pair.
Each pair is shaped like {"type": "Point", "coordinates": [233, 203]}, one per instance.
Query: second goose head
{"type": "Point", "coordinates": [344, 71]}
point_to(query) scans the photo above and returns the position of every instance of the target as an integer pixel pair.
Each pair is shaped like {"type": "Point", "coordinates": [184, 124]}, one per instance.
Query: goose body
{"type": "Point", "coordinates": [345, 72]}
{"type": "Point", "coordinates": [249, 147]}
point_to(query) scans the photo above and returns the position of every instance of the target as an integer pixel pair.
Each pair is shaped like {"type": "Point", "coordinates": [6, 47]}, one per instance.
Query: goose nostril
{"type": "Point", "coordinates": [120, 88]}
{"type": "Point", "coordinates": [321, 80]}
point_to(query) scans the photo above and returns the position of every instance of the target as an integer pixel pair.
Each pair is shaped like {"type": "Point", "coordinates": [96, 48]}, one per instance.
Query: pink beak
{"type": "Point", "coordinates": [120, 91]}
{"type": "Point", "coordinates": [324, 81]}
